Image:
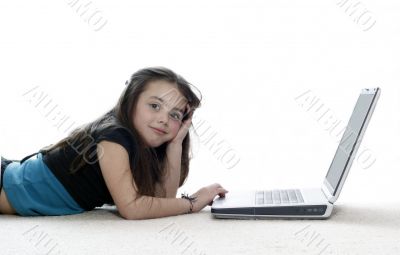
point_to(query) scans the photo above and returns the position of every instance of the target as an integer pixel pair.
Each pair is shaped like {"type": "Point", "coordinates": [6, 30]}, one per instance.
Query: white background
{"type": "Point", "coordinates": [250, 60]}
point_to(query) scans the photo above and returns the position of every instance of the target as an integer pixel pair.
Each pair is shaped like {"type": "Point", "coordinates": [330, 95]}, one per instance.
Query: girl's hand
{"type": "Point", "coordinates": [206, 195]}
{"type": "Point", "coordinates": [183, 130]}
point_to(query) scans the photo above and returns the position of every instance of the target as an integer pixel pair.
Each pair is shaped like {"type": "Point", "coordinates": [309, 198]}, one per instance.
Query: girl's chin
{"type": "Point", "coordinates": [154, 144]}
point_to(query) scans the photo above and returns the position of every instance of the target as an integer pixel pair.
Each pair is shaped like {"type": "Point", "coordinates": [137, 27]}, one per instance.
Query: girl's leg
{"type": "Point", "coordinates": [4, 164]}
{"type": "Point", "coordinates": [5, 206]}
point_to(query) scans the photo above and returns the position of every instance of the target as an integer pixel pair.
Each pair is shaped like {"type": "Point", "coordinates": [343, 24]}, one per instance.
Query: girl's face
{"type": "Point", "coordinates": [159, 112]}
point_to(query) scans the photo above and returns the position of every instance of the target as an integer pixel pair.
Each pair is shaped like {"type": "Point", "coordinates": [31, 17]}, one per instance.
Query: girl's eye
{"type": "Point", "coordinates": [155, 106]}
{"type": "Point", "coordinates": [176, 116]}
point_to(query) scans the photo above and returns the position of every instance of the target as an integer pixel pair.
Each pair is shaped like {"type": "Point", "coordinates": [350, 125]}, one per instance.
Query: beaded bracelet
{"type": "Point", "coordinates": [191, 200]}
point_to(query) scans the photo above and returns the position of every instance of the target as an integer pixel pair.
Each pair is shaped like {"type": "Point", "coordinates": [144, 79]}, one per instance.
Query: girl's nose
{"type": "Point", "coordinates": [162, 117]}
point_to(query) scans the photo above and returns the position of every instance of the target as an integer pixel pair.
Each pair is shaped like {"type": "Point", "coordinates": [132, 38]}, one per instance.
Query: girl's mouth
{"type": "Point", "coordinates": [158, 131]}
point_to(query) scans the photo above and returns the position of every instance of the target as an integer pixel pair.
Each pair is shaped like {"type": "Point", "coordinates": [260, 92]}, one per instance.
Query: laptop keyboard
{"type": "Point", "coordinates": [287, 196]}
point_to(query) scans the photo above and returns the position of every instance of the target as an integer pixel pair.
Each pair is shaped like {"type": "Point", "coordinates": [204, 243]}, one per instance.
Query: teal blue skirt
{"type": "Point", "coordinates": [33, 190]}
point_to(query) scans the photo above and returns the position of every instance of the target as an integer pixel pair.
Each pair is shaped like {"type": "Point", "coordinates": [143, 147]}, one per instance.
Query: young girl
{"type": "Point", "coordinates": [135, 157]}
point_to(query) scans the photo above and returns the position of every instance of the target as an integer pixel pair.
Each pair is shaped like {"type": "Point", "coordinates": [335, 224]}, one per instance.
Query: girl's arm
{"type": "Point", "coordinates": [173, 170]}
{"type": "Point", "coordinates": [174, 157]}
{"type": "Point", "coordinates": [114, 164]}
{"type": "Point", "coordinates": [169, 184]}
{"type": "Point", "coordinates": [147, 207]}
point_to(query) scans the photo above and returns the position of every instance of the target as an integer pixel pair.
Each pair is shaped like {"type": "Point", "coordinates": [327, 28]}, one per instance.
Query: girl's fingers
{"type": "Point", "coordinates": [221, 192]}
{"type": "Point", "coordinates": [189, 111]}
{"type": "Point", "coordinates": [186, 125]}
{"type": "Point", "coordinates": [188, 122]}
{"type": "Point", "coordinates": [184, 129]}
{"type": "Point", "coordinates": [225, 190]}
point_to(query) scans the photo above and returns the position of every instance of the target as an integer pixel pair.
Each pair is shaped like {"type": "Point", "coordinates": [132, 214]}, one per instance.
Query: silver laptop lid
{"type": "Point", "coordinates": [350, 143]}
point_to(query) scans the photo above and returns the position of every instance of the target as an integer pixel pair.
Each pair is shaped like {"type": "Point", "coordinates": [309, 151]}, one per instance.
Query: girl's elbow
{"type": "Point", "coordinates": [127, 214]}
{"type": "Point", "coordinates": [131, 216]}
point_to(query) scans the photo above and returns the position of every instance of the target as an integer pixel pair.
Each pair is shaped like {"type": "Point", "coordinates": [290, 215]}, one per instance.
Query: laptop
{"type": "Point", "coordinates": [304, 202]}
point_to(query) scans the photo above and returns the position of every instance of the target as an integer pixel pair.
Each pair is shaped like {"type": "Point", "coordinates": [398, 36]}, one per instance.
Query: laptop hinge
{"type": "Point", "coordinates": [327, 194]}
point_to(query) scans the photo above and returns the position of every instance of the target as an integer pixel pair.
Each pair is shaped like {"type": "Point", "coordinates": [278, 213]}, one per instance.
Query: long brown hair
{"type": "Point", "coordinates": [148, 164]}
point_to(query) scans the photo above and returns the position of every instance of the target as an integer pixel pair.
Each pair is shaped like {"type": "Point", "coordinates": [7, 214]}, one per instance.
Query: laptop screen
{"type": "Point", "coordinates": [349, 140]}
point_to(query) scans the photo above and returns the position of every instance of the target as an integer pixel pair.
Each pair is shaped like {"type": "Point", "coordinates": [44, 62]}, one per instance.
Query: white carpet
{"type": "Point", "coordinates": [352, 229]}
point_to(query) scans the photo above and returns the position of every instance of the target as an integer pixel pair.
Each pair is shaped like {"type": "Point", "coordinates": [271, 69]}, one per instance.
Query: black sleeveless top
{"type": "Point", "coordinates": [87, 185]}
